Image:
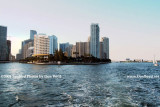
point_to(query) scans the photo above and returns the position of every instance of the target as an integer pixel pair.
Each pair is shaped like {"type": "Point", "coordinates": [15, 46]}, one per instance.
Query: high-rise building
{"type": "Point", "coordinates": [3, 43]}
{"type": "Point", "coordinates": [25, 45]}
{"type": "Point", "coordinates": [63, 46]}
{"type": "Point", "coordinates": [30, 51]}
{"type": "Point", "coordinates": [25, 42]}
{"type": "Point", "coordinates": [87, 48]}
{"type": "Point", "coordinates": [74, 51]}
{"type": "Point", "coordinates": [82, 48]}
{"type": "Point", "coordinates": [53, 45]}
{"type": "Point", "coordinates": [32, 33]}
{"type": "Point", "coordinates": [94, 40]}
{"type": "Point", "coordinates": [101, 53]}
{"type": "Point", "coordinates": [26, 51]}
{"type": "Point", "coordinates": [20, 51]}
{"type": "Point", "coordinates": [18, 56]}
{"type": "Point", "coordinates": [105, 41]}
{"type": "Point", "coordinates": [8, 50]}
{"type": "Point", "coordinates": [69, 50]}
{"type": "Point", "coordinates": [41, 44]}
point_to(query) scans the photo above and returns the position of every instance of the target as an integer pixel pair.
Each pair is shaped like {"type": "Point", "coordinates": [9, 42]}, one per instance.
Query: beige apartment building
{"type": "Point", "coordinates": [73, 52]}
{"type": "Point", "coordinates": [41, 44]}
{"type": "Point", "coordinates": [82, 48]}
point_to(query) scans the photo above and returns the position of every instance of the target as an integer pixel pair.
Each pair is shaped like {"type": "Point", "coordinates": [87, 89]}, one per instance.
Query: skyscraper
{"type": "Point", "coordinates": [18, 56]}
{"type": "Point", "coordinates": [69, 50]}
{"type": "Point", "coordinates": [74, 51]}
{"type": "Point", "coordinates": [25, 45]}
{"type": "Point", "coordinates": [82, 48]}
{"type": "Point", "coordinates": [8, 50]}
{"type": "Point", "coordinates": [105, 41]}
{"type": "Point", "coordinates": [26, 50]}
{"type": "Point", "coordinates": [32, 33]}
{"type": "Point", "coordinates": [63, 46]}
{"type": "Point", "coordinates": [94, 40]}
{"type": "Point", "coordinates": [53, 45]}
{"type": "Point", "coordinates": [101, 53]}
{"type": "Point", "coordinates": [3, 43]}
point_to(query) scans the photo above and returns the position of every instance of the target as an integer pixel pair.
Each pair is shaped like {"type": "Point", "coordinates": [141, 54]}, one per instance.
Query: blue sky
{"type": "Point", "coordinates": [132, 25]}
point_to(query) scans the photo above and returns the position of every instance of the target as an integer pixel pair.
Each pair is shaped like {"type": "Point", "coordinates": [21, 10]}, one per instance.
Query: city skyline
{"type": "Point", "coordinates": [132, 26]}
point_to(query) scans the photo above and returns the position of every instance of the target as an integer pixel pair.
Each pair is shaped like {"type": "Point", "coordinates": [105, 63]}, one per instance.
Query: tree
{"type": "Point", "coordinates": [61, 55]}
{"type": "Point", "coordinates": [56, 55]}
{"type": "Point", "coordinates": [50, 57]}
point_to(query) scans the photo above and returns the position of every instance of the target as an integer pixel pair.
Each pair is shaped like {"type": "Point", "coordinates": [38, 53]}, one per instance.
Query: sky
{"type": "Point", "coordinates": [133, 26]}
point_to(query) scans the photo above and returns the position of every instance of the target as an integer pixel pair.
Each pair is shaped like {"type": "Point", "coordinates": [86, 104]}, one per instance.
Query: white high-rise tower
{"type": "Point", "coordinates": [94, 40]}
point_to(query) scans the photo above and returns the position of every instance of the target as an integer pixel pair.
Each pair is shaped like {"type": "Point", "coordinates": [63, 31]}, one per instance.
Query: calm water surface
{"type": "Point", "coordinates": [103, 85]}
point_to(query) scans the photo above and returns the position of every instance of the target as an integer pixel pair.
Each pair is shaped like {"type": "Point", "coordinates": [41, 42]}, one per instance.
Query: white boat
{"type": "Point", "coordinates": [155, 62]}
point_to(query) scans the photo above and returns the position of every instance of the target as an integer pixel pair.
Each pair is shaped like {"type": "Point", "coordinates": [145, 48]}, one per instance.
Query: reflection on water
{"type": "Point", "coordinates": [103, 85]}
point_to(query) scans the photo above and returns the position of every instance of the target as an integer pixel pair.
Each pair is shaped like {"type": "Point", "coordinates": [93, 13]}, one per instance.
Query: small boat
{"type": "Point", "coordinates": [155, 62]}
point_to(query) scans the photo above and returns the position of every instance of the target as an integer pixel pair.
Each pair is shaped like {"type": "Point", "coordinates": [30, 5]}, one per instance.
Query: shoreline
{"type": "Point", "coordinates": [62, 63]}
{"type": "Point", "coordinates": [56, 63]}
{"type": "Point", "coordinates": [7, 61]}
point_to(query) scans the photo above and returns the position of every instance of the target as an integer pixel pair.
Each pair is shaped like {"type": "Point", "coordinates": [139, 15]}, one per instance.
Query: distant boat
{"type": "Point", "coordinates": [155, 62]}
